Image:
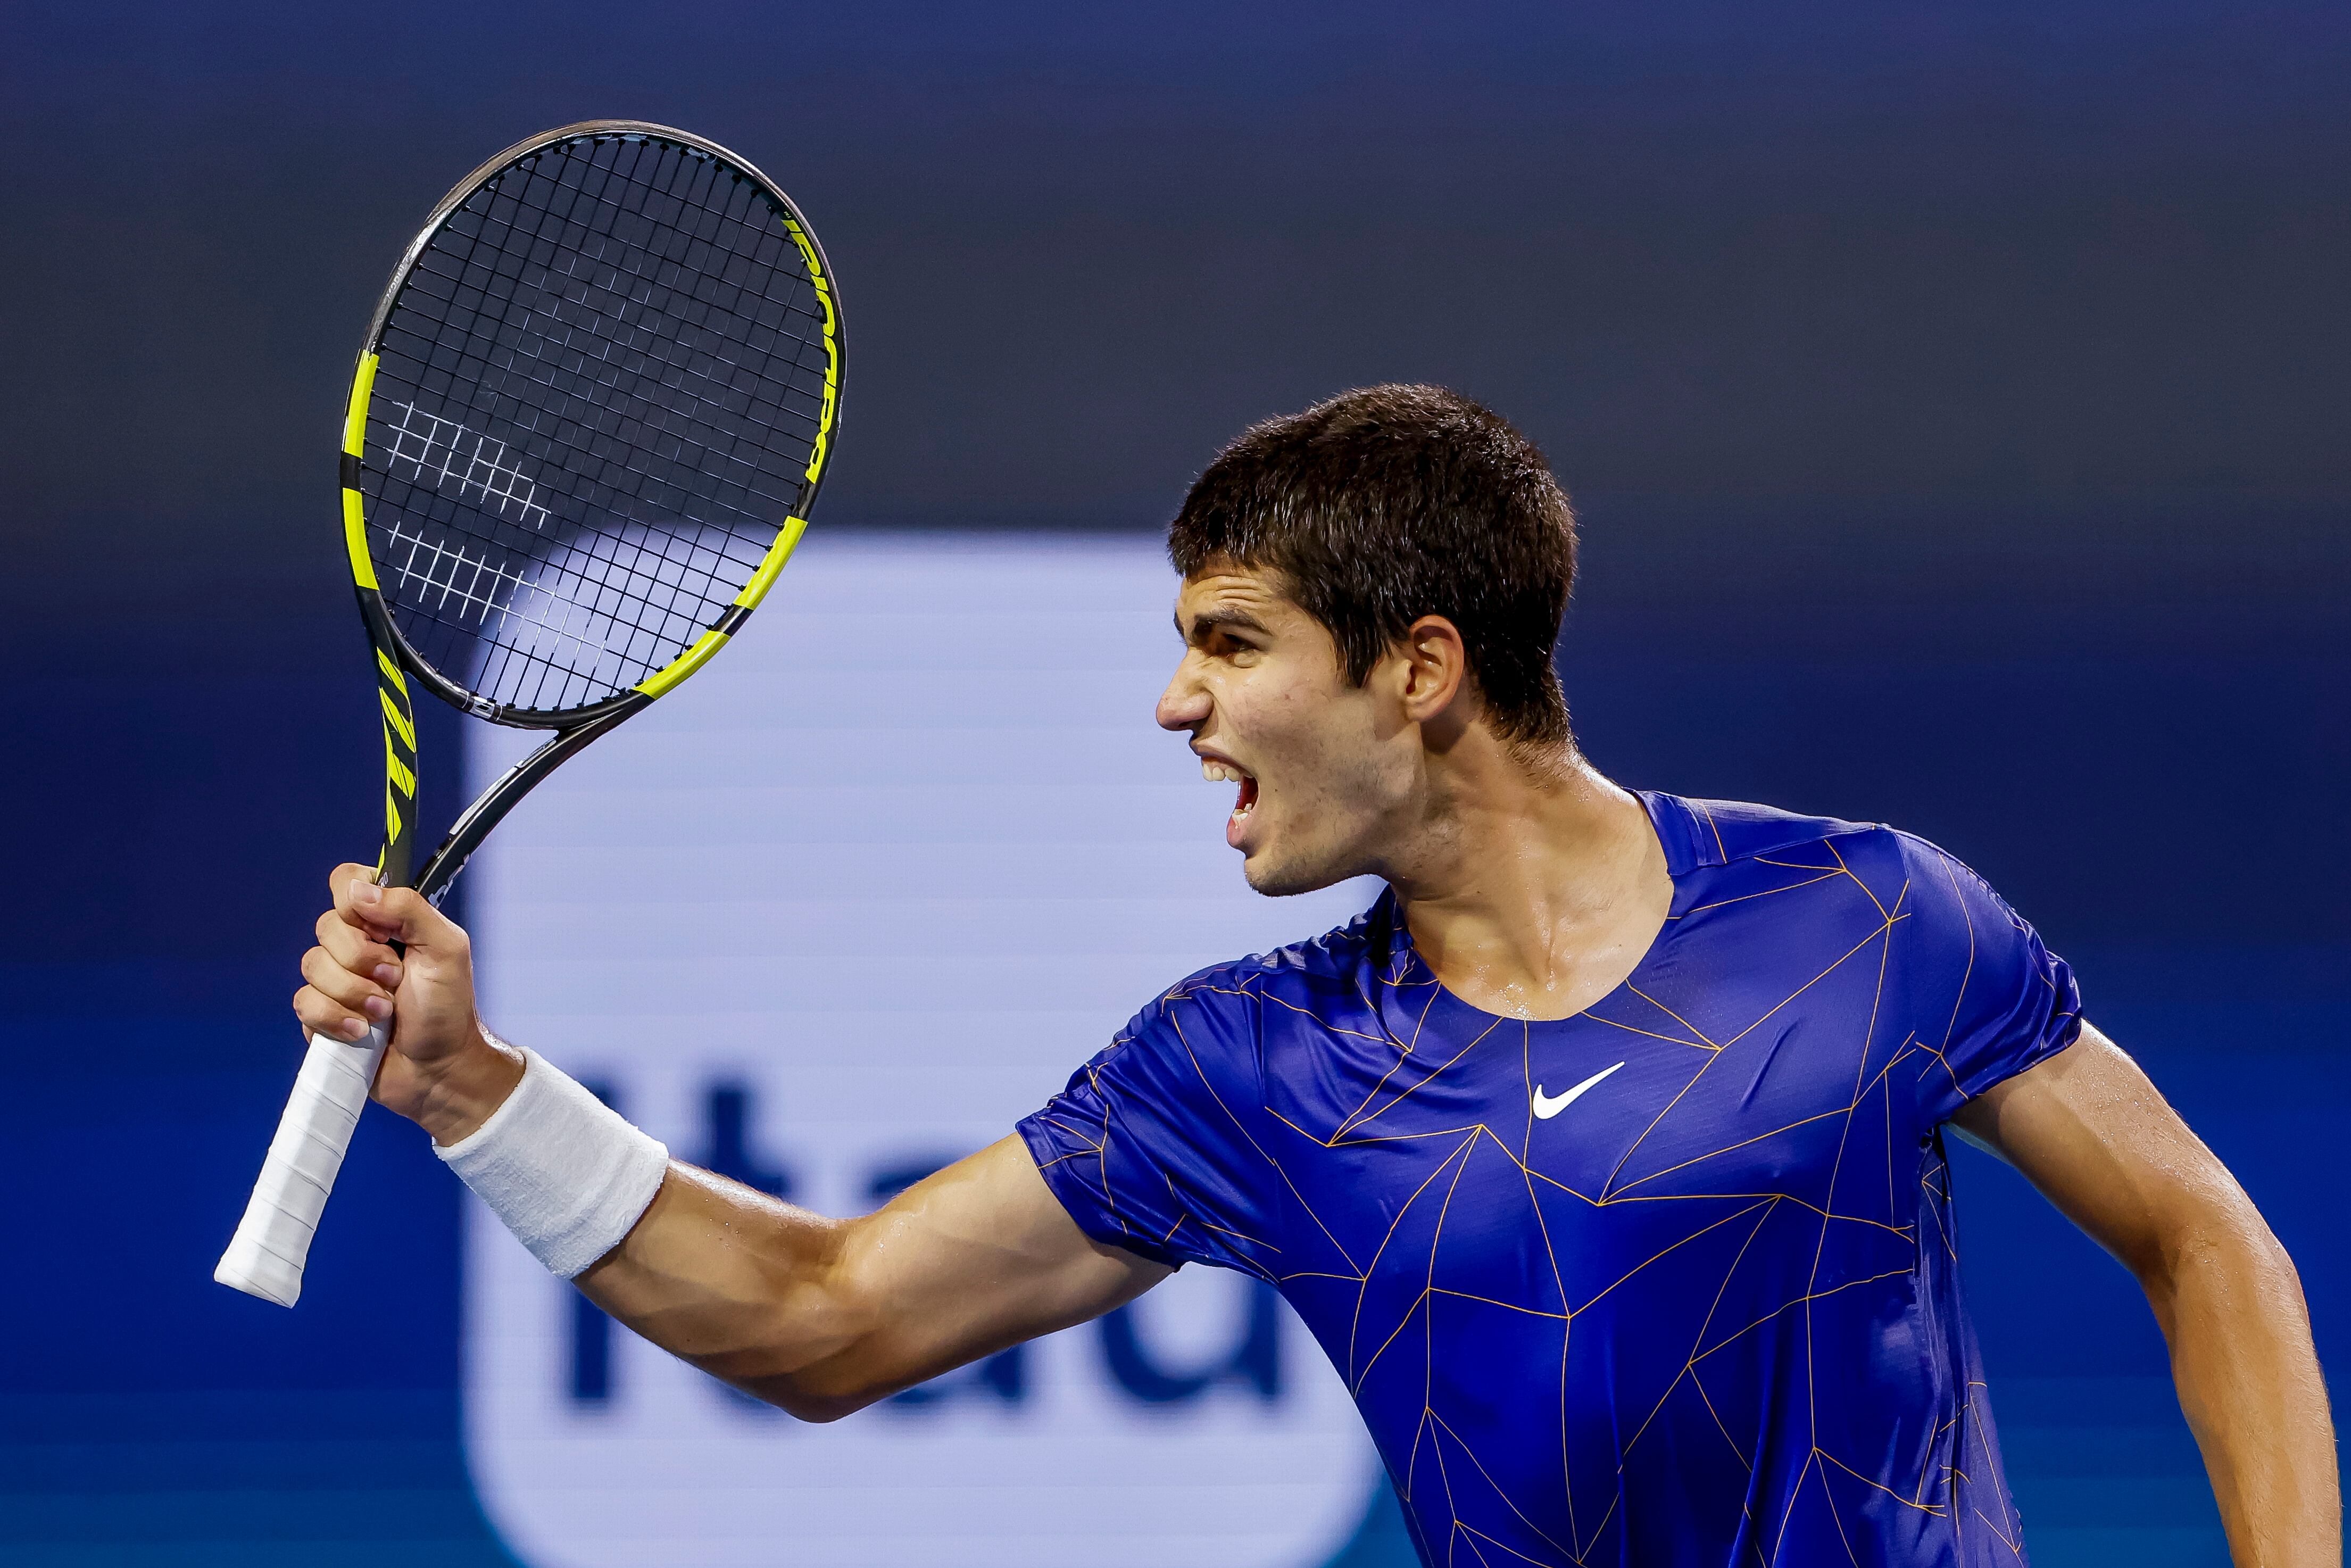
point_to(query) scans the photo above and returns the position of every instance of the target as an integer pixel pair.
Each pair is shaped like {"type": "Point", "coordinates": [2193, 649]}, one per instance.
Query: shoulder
{"type": "Point", "coordinates": [1723, 832]}
{"type": "Point", "coordinates": [1735, 847]}
{"type": "Point", "coordinates": [1226, 999]}
{"type": "Point", "coordinates": [1905, 874]}
{"type": "Point", "coordinates": [1199, 1047]}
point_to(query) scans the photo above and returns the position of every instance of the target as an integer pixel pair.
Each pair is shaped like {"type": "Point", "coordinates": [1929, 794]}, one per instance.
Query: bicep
{"type": "Point", "coordinates": [2090, 1131]}
{"type": "Point", "coordinates": [979, 1256]}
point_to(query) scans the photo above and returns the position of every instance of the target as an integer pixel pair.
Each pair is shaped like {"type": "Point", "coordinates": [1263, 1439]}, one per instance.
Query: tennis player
{"type": "Point", "coordinates": [1604, 1155]}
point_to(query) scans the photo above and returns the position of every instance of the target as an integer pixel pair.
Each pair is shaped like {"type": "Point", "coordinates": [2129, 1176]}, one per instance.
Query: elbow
{"type": "Point", "coordinates": [817, 1393]}
{"type": "Point", "coordinates": [820, 1394]}
{"type": "Point", "coordinates": [823, 1344]}
{"type": "Point", "coordinates": [2224, 1240]}
{"type": "Point", "coordinates": [841, 1385]}
{"type": "Point", "coordinates": [806, 1404]}
{"type": "Point", "coordinates": [851, 1368]}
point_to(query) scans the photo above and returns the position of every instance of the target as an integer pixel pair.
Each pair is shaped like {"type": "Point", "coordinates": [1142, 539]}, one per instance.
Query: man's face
{"type": "Point", "coordinates": [1325, 770]}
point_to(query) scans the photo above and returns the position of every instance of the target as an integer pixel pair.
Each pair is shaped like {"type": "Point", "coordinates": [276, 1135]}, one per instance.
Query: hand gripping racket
{"type": "Point", "coordinates": [585, 433]}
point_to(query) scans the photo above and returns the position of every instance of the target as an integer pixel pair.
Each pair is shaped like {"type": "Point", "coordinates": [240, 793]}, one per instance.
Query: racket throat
{"type": "Point", "coordinates": [466, 834]}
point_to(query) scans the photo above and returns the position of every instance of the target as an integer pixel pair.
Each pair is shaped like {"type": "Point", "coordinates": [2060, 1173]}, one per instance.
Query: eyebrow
{"type": "Point", "coordinates": [1209, 619]}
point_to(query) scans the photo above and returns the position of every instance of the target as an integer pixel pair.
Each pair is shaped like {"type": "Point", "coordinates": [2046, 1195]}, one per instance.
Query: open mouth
{"type": "Point", "coordinates": [1216, 770]}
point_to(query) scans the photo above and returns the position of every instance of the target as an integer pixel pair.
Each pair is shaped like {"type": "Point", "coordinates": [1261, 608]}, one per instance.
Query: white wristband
{"type": "Point", "coordinates": [564, 1171]}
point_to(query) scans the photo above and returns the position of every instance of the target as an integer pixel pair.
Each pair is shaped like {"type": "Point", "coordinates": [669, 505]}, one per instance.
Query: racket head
{"type": "Point", "coordinates": [589, 421]}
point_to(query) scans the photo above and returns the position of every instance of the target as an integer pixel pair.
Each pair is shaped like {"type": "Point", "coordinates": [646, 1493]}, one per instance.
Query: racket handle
{"type": "Point", "coordinates": [265, 1257]}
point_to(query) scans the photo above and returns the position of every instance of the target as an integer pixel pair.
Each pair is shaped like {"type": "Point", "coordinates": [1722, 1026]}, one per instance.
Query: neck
{"type": "Point", "coordinates": [1531, 886]}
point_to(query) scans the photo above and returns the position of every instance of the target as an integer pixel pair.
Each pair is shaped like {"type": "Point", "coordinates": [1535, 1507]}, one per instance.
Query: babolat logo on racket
{"type": "Point", "coordinates": [588, 424]}
{"type": "Point", "coordinates": [455, 461]}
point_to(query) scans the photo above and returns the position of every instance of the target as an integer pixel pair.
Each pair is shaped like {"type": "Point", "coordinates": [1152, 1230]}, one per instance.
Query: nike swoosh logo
{"type": "Point", "coordinates": [1548, 1106]}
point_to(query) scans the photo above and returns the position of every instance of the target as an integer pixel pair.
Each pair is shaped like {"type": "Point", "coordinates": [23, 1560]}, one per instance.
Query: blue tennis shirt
{"type": "Point", "coordinates": [1672, 1280]}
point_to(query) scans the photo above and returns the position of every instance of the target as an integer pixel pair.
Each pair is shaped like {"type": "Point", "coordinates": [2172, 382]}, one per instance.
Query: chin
{"type": "Point", "coordinates": [1286, 876]}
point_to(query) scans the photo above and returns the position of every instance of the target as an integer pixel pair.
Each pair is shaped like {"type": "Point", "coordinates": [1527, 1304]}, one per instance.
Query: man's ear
{"type": "Point", "coordinates": [1435, 668]}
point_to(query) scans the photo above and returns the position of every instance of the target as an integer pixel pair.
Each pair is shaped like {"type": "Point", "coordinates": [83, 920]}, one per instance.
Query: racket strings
{"type": "Point", "coordinates": [602, 388]}
{"type": "Point", "coordinates": [600, 560]}
{"type": "Point", "coordinates": [623, 262]}
{"type": "Point", "coordinates": [809, 359]}
{"type": "Point", "coordinates": [597, 565]}
{"type": "Point", "coordinates": [787, 308]}
{"type": "Point", "coordinates": [605, 561]}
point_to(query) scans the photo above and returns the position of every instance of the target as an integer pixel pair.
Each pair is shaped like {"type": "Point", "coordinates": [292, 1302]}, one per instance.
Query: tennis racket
{"type": "Point", "coordinates": [585, 433]}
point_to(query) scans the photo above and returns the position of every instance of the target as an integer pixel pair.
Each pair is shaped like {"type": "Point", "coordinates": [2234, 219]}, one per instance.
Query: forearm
{"type": "Point", "coordinates": [745, 1287]}
{"type": "Point", "coordinates": [748, 1289]}
{"type": "Point", "coordinates": [819, 1316]}
{"type": "Point", "coordinates": [2231, 1309]}
{"type": "Point", "coordinates": [2092, 1133]}
{"type": "Point", "coordinates": [823, 1316]}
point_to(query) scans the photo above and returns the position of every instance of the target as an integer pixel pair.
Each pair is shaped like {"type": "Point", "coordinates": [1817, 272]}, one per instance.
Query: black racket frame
{"type": "Point", "coordinates": [396, 657]}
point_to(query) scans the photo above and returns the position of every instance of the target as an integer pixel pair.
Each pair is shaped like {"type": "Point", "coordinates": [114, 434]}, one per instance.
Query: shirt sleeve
{"type": "Point", "coordinates": [1992, 1000]}
{"type": "Point", "coordinates": [1149, 1147]}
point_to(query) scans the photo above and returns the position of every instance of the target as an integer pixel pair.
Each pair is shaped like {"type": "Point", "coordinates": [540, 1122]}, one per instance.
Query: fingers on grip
{"type": "Point", "coordinates": [335, 978]}
{"type": "Point", "coordinates": [352, 948]}
{"type": "Point", "coordinates": [321, 1014]}
{"type": "Point", "coordinates": [354, 971]}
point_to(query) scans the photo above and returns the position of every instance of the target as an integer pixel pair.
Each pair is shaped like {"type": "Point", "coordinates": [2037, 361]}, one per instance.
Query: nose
{"type": "Point", "coordinates": [1184, 704]}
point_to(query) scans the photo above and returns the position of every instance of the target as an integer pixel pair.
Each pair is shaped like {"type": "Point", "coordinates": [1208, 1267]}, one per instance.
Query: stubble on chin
{"type": "Point", "coordinates": [1287, 875]}
{"type": "Point", "coordinates": [1275, 880]}
{"type": "Point", "coordinates": [1291, 868]}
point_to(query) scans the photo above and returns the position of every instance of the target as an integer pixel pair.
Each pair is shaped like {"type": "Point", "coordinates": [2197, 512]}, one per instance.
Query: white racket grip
{"type": "Point", "coordinates": [265, 1257]}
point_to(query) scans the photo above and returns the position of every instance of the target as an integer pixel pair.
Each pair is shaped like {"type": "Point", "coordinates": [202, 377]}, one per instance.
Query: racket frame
{"type": "Point", "coordinates": [337, 1076]}
{"type": "Point", "coordinates": [574, 728]}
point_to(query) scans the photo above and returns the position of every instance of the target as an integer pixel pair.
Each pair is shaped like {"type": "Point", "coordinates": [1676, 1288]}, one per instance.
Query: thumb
{"type": "Point", "coordinates": [392, 913]}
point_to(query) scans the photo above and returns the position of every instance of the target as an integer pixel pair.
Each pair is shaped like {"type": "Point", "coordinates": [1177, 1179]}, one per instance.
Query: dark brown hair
{"type": "Point", "coordinates": [1389, 503]}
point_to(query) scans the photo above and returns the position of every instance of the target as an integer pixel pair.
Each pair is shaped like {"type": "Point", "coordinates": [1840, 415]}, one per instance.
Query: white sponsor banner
{"type": "Point", "coordinates": [841, 908]}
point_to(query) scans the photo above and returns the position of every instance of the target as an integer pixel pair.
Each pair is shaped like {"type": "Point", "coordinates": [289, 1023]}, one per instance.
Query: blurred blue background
{"type": "Point", "coordinates": [1955, 400]}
